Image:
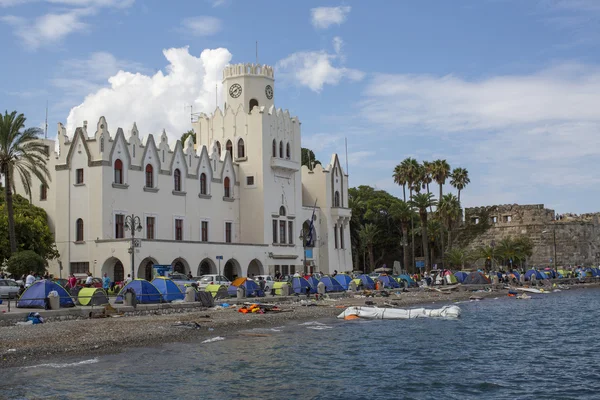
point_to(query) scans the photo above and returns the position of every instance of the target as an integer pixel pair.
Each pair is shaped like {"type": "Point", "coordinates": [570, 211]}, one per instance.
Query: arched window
{"type": "Point", "coordinates": [241, 150]}
{"type": "Point", "coordinates": [203, 183]}
{"type": "Point", "coordinates": [177, 180]}
{"type": "Point", "coordinates": [118, 171]}
{"type": "Point", "coordinates": [226, 188]}
{"type": "Point", "coordinates": [119, 272]}
{"type": "Point", "coordinates": [179, 267]}
{"type": "Point", "coordinates": [336, 199]}
{"type": "Point", "coordinates": [79, 230]}
{"type": "Point", "coordinates": [253, 103]}
{"type": "Point", "coordinates": [274, 148]}
{"type": "Point", "coordinates": [282, 211]}
{"type": "Point", "coordinates": [229, 148]}
{"type": "Point", "coordinates": [219, 148]}
{"type": "Point", "coordinates": [281, 149]}
{"type": "Point", "coordinates": [101, 143]}
{"type": "Point", "coordinates": [288, 153]}
{"type": "Point", "coordinates": [149, 176]}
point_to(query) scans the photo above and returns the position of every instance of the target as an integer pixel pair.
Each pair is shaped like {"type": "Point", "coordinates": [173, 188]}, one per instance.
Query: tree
{"type": "Point", "coordinates": [486, 253]}
{"type": "Point", "coordinates": [185, 136]}
{"type": "Point", "coordinates": [23, 152]}
{"type": "Point", "coordinates": [368, 235]}
{"type": "Point", "coordinates": [422, 201]}
{"type": "Point", "coordinates": [400, 179]}
{"type": "Point", "coordinates": [410, 169]}
{"type": "Point", "coordinates": [449, 212]}
{"type": "Point", "coordinates": [441, 172]}
{"type": "Point", "coordinates": [514, 251]}
{"type": "Point", "coordinates": [308, 158]}
{"type": "Point", "coordinates": [23, 262]}
{"type": "Point", "coordinates": [403, 213]}
{"type": "Point", "coordinates": [428, 175]}
{"type": "Point", "coordinates": [459, 179]}
{"type": "Point", "coordinates": [456, 257]}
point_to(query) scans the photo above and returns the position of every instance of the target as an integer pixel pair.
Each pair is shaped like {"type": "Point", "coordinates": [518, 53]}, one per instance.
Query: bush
{"type": "Point", "coordinates": [25, 261]}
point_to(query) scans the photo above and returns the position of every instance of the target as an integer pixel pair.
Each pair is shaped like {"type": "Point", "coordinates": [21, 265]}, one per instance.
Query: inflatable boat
{"type": "Point", "coordinates": [399, 313]}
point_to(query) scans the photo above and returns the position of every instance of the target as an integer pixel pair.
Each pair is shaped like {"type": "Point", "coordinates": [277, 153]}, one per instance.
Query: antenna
{"type": "Point", "coordinates": [46, 123]}
{"type": "Point", "coordinates": [346, 143]}
{"type": "Point", "coordinates": [257, 52]}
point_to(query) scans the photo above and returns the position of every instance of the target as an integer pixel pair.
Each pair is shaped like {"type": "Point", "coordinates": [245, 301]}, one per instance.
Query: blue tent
{"type": "Point", "coordinates": [388, 282]}
{"type": "Point", "coordinates": [331, 285]}
{"type": "Point", "coordinates": [252, 289]}
{"type": "Point", "coordinates": [543, 275]}
{"type": "Point", "coordinates": [145, 292]}
{"type": "Point", "coordinates": [300, 284]}
{"type": "Point", "coordinates": [461, 276]}
{"type": "Point", "coordinates": [408, 279]}
{"type": "Point", "coordinates": [367, 282]}
{"type": "Point", "coordinates": [313, 281]}
{"type": "Point", "coordinates": [344, 280]}
{"type": "Point", "coordinates": [533, 272]}
{"type": "Point", "coordinates": [516, 274]}
{"type": "Point", "coordinates": [34, 295]}
{"type": "Point", "coordinates": [168, 289]}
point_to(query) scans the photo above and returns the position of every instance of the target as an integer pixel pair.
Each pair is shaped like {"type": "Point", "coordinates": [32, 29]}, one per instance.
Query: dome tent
{"type": "Point", "coordinates": [92, 297]}
{"type": "Point", "coordinates": [145, 292]}
{"type": "Point", "coordinates": [367, 282]}
{"type": "Point", "coordinates": [388, 282]}
{"type": "Point", "coordinates": [344, 280]}
{"type": "Point", "coordinates": [300, 284]}
{"type": "Point", "coordinates": [331, 285]}
{"type": "Point", "coordinates": [476, 278]}
{"type": "Point", "coordinates": [168, 289]}
{"type": "Point", "coordinates": [251, 288]}
{"type": "Point", "coordinates": [34, 296]}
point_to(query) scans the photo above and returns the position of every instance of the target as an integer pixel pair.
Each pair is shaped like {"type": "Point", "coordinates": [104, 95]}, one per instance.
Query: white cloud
{"type": "Point", "coordinates": [324, 17]}
{"type": "Point", "coordinates": [158, 101]}
{"type": "Point", "coordinates": [337, 44]}
{"type": "Point", "coordinates": [201, 26]}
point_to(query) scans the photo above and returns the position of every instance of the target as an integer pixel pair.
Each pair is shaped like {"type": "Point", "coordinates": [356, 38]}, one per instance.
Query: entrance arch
{"type": "Point", "coordinates": [232, 269]}
{"type": "Point", "coordinates": [145, 269]}
{"type": "Point", "coordinates": [255, 268]}
{"type": "Point", "coordinates": [180, 265]}
{"type": "Point", "coordinates": [207, 266]}
{"type": "Point", "coordinates": [114, 268]}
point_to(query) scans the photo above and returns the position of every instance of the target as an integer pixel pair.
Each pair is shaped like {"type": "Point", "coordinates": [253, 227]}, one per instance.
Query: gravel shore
{"type": "Point", "coordinates": [32, 344]}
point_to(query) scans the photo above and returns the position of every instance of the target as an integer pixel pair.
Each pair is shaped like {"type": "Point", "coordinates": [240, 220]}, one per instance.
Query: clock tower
{"type": "Point", "coordinates": [250, 85]}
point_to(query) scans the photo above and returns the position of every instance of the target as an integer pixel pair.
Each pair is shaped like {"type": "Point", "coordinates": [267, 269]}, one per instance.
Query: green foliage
{"type": "Point", "coordinates": [457, 257]}
{"type": "Point", "coordinates": [308, 158]}
{"type": "Point", "coordinates": [185, 136]}
{"type": "Point", "coordinates": [31, 229]}
{"type": "Point", "coordinates": [23, 262]}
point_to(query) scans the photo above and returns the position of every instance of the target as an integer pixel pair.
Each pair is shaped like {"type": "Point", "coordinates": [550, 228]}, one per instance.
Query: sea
{"type": "Point", "coordinates": [500, 348]}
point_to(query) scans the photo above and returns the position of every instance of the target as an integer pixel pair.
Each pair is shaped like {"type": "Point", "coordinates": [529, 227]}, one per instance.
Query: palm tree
{"type": "Point", "coordinates": [487, 253]}
{"type": "Point", "coordinates": [23, 152]}
{"type": "Point", "coordinates": [459, 179]}
{"type": "Point", "coordinates": [427, 175]}
{"type": "Point", "coordinates": [368, 234]}
{"type": "Point", "coordinates": [404, 213]}
{"type": "Point", "coordinates": [422, 201]}
{"type": "Point", "coordinates": [441, 172]}
{"type": "Point", "coordinates": [400, 178]}
{"type": "Point", "coordinates": [449, 211]}
{"type": "Point", "coordinates": [456, 257]}
{"type": "Point", "coordinates": [435, 231]}
{"type": "Point", "coordinates": [357, 205]}
{"type": "Point", "coordinates": [410, 168]}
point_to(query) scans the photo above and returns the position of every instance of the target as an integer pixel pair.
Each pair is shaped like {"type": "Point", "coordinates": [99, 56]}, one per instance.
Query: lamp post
{"type": "Point", "coordinates": [303, 235]}
{"type": "Point", "coordinates": [132, 224]}
{"type": "Point", "coordinates": [554, 243]}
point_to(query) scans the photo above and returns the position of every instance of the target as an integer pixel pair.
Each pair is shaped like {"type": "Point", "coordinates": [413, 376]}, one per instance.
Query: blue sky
{"type": "Point", "coordinates": [507, 89]}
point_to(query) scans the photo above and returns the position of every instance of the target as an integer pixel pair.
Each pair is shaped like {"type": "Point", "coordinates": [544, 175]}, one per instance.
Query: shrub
{"type": "Point", "coordinates": [25, 261]}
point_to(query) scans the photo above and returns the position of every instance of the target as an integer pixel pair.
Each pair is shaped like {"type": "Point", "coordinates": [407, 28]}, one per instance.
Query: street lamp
{"type": "Point", "coordinates": [554, 241]}
{"type": "Point", "coordinates": [303, 237]}
{"type": "Point", "coordinates": [133, 223]}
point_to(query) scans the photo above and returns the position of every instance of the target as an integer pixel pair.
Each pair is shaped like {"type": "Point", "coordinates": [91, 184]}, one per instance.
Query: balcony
{"type": "Point", "coordinates": [284, 164]}
{"type": "Point", "coordinates": [341, 212]}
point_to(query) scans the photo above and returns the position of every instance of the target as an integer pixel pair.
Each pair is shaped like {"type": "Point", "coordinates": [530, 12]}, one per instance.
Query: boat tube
{"type": "Point", "coordinates": [399, 313]}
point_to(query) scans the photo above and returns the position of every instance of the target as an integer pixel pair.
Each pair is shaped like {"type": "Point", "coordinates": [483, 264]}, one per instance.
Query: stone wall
{"type": "Point", "coordinates": [577, 237]}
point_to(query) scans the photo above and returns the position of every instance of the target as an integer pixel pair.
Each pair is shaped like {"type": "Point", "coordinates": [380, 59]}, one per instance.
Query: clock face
{"type": "Point", "coordinates": [269, 92]}
{"type": "Point", "coordinates": [235, 90]}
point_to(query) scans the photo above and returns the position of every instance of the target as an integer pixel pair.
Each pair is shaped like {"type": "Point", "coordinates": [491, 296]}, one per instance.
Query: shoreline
{"type": "Point", "coordinates": [25, 345]}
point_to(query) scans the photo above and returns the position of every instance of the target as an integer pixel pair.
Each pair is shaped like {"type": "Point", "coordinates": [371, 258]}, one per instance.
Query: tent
{"type": "Point", "coordinates": [344, 280]}
{"type": "Point", "coordinates": [367, 282]}
{"type": "Point", "coordinates": [92, 297]}
{"type": "Point", "coordinates": [476, 278]}
{"type": "Point", "coordinates": [34, 296]}
{"type": "Point", "coordinates": [251, 288]}
{"type": "Point", "coordinates": [168, 289]}
{"type": "Point", "coordinates": [450, 279]}
{"type": "Point", "coordinates": [410, 281]}
{"type": "Point", "coordinates": [564, 273]}
{"type": "Point", "coordinates": [313, 281]}
{"type": "Point", "coordinates": [145, 292]}
{"type": "Point", "coordinates": [331, 285]}
{"type": "Point", "coordinates": [533, 272]}
{"type": "Point", "coordinates": [461, 276]}
{"type": "Point", "coordinates": [217, 291]}
{"type": "Point", "coordinates": [278, 287]}
{"type": "Point", "coordinates": [300, 284]}
{"type": "Point", "coordinates": [388, 282]}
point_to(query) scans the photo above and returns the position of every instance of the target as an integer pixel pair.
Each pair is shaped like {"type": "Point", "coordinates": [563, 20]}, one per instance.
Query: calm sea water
{"type": "Point", "coordinates": [543, 348]}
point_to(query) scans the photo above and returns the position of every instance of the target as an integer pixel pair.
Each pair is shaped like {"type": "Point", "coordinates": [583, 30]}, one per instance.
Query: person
{"type": "Point", "coordinates": [334, 273]}
{"type": "Point", "coordinates": [297, 274]}
{"type": "Point", "coordinates": [128, 279]}
{"type": "Point", "coordinates": [30, 279]}
{"type": "Point", "coordinates": [21, 290]}
{"type": "Point", "coordinates": [106, 283]}
{"type": "Point", "coordinates": [72, 281]}
{"type": "Point", "coordinates": [88, 280]}
{"type": "Point", "coordinates": [189, 275]}
{"type": "Point", "coordinates": [261, 283]}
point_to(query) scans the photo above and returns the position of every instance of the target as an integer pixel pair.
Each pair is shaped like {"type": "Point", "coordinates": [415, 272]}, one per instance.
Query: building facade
{"type": "Point", "coordinates": [237, 202]}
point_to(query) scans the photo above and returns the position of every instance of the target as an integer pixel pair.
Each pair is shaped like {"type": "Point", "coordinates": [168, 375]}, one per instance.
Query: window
{"type": "Point", "coordinates": [119, 226]}
{"type": "Point", "coordinates": [341, 236]}
{"type": "Point", "coordinates": [205, 231]}
{"type": "Point", "coordinates": [336, 199]}
{"type": "Point", "coordinates": [274, 231]}
{"type": "Point", "coordinates": [494, 220]}
{"type": "Point", "coordinates": [163, 156]}
{"type": "Point", "coordinates": [118, 171]}
{"type": "Point", "coordinates": [150, 221]}
{"type": "Point", "coordinates": [149, 176]}
{"type": "Point", "coordinates": [288, 153]}
{"type": "Point", "coordinates": [219, 148]}
{"type": "Point", "coordinates": [178, 229]}
{"type": "Point", "coordinates": [80, 267]}
{"type": "Point", "coordinates": [228, 232]}
{"type": "Point", "coordinates": [43, 192]}
{"type": "Point", "coordinates": [507, 218]}
{"type": "Point", "coordinates": [290, 232]}
{"type": "Point", "coordinates": [226, 188]}
{"type": "Point", "coordinates": [241, 150]}
{"type": "Point", "coordinates": [203, 183]}
{"type": "Point", "coordinates": [79, 176]}
{"type": "Point", "coordinates": [119, 272]}
{"type": "Point", "coordinates": [253, 103]}
{"type": "Point", "coordinates": [177, 180]}
{"type": "Point", "coordinates": [335, 234]}
{"type": "Point", "coordinates": [274, 148]}
{"type": "Point", "coordinates": [79, 230]}
{"type": "Point", "coordinates": [281, 149]}
{"type": "Point", "coordinates": [282, 232]}
{"type": "Point", "coordinates": [46, 151]}
{"type": "Point", "coordinates": [250, 180]}
{"type": "Point", "coordinates": [134, 151]}
{"type": "Point", "coordinates": [101, 143]}
{"type": "Point", "coordinates": [229, 148]}
{"type": "Point", "coordinates": [282, 211]}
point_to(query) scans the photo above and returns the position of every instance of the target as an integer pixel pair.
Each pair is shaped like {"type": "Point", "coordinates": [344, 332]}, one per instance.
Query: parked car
{"type": "Point", "coordinates": [269, 281]}
{"type": "Point", "coordinates": [181, 280]}
{"type": "Point", "coordinates": [96, 282]}
{"type": "Point", "coordinates": [213, 279]}
{"type": "Point", "coordinates": [8, 288]}
{"type": "Point", "coordinates": [61, 281]}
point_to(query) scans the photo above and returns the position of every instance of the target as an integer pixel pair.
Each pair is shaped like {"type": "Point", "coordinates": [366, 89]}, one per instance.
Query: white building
{"type": "Point", "coordinates": [240, 193]}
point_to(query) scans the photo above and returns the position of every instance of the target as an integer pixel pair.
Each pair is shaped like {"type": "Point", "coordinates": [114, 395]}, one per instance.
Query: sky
{"type": "Point", "coordinates": [508, 89]}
